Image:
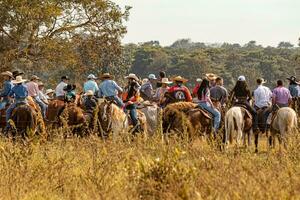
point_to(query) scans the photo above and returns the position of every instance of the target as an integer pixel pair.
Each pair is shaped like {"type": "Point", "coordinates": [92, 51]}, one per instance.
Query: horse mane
{"type": "Point", "coordinates": [180, 106]}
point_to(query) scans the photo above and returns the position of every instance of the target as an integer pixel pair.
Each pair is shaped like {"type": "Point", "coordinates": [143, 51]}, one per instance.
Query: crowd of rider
{"type": "Point", "coordinates": [209, 93]}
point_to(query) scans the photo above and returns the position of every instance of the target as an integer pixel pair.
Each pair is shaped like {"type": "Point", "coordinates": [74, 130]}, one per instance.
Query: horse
{"type": "Point", "coordinates": [26, 119]}
{"type": "Point", "coordinates": [151, 112]}
{"type": "Point", "coordinates": [283, 123]}
{"type": "Point", "coordinates": [237, 120]}
{"type": "Point", "coordinates": [110, 118]}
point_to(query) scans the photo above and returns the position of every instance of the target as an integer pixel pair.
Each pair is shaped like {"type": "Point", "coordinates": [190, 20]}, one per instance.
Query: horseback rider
{"type": "Point", "coordinates": [41, 94]}
{"type": "Point", "coordinates": [218, 93]}
{"type": "Point", "coordinates": [90, 102]}
{"type": "Point", "coordinates": [147, 88]}
{"type": "Point", "coordinates": [7, 86]}
{"type": "Point", "coordinates": [33, 91]}
{"type": "Point", "coordinates": [109, 89]}
{"type": "Point", "coordinates": [281, 96]}
{"type": "Point", "coordinates": [131, 97]}
{"type": "Point", "coordinates": [205, 103]}
{"type": "Point", "coordinates": [160, 92]}
{"type": "Point", "coordinates": [242, 95]}
{"type": "Point", "coordinates": [262, 99]}
{"type": "Point", "coordinates": [162, 75]}
{"type": "Point", "coordinates": [59, 90]}
{"type": "Point", "coordinates": [49, 94]}
{"type": "Point", "coordinates": [70, 94]}
{"type": "Point", "coordinates": [20, 93]}
{"type": "Point", "coordinates": [180, 92]}
{"type": "Point", "coordinates": [294, 87]}
{"type": "Point", "coordinates": [91, 84]}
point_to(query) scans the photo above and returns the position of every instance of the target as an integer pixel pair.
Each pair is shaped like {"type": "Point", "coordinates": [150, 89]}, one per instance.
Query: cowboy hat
{"type": "Point", "coordinates": [211, 76]}
{"type": "Point", "coordinates": [65, 78]}
{"type": "Point", "coordinates": [144, 81]}
{"type": "Point", "coordinates": [40, 84]}
{"type": "Point", "coordinates": [92, 76]}
{"type": "Point", "coordinates": [89, 93]}
{"type": "Point", "coordinates": [49, 91]}
{"type": "Point", "coordinates": [18, 80]}
{"type": "Point", "coordinates": [34, 77]}
{"type": "Point", "coordinates": [261, 81]}
{"type": "Point", "coordinates": [106, 75]}
{"type": "Point", "coordinates": [165, 81]}
{"type": "Point", "coordinates": [198, 80]}
{"type": "Point", "coordinates": [152, 76]}
{"type": "Point", "coordinates": [17, 73]}
{"type": "Point", "coordinates": [293, 79]}
{"type": "Point", "coordinates": [69, 87]}
{"type": "Point", "coordinates": [132, 76]}
{"type": "Point", "coordinates": [179, 79]}
{"type": "Point", "coordinates": [7, 73]}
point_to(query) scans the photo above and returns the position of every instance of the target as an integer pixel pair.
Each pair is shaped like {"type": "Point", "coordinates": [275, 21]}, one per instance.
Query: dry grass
{"type": "Point", "coordinates": [91, 168]}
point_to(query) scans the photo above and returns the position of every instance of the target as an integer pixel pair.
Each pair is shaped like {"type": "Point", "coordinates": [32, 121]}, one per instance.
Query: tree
{"type": "Point", "coordinates": [52, 33]}
{"type": "Point", "coordinates": [285, 45]}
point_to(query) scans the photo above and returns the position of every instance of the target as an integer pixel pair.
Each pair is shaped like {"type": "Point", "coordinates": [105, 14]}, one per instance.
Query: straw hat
{"type": "Point", "coordinates": [49, 91]}
{"type": "Point", "coordinates": [261, 80]}
{"type": "Point", "coordinates": [18, 80]}
{"type": "Point", "coordinates": [132, 76]}
{"type": "Point", "coordinates": [34, 77]}
{"type": "Point", "coordinates": [40, 84]}
{"type": "Point", "coordinates": [211, 76]}
{"type": "Point", "coordinates": [7, 73]}
{"type": "Point", "coordinates": [106, 76]}
{"type": "Point", "coordinates": [165, 81]}
{"type": "Point", "coordinates": [89, 93]}
{"type": "Point", "coordinates": [179, 79]}
{"type": "Point", "coordinates": [144, 81]}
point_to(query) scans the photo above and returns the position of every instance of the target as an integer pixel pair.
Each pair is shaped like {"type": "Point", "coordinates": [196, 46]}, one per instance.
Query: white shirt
{"type": "Point", "coordinates": [262, 96]}
{"type": "Point", "coordinates": [59, 90]}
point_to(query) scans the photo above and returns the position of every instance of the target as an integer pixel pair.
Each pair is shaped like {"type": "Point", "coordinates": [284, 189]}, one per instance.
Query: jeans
{"type": "Point", "coordinates": [3, 103]}
{"type": "Point", "coordinates": [253, 113]}
{"type": "Point", "coordinates": [133, 114]}
{"type": "Point", "coordinates": [11, 108]}
{"type": "Point", "coordinates": [216, 114]}
{"type": "Point", "coordinates": [42, 105]}
{"type": "Point", "coordinates": [119, 101]}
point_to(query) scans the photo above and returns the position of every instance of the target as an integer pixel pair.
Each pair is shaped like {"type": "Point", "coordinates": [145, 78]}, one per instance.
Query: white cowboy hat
{"type": "Point", "coordinates": [49, 91]}
{"type": "Point", "coordinates": [92, 76]}
{"type": "Point", "coordinates": [211, 76]}
{"type": "Point", "coordinates": [179, 79]}
{"type": "Point", "coordinates": [198, 80]}
{"type": "Point", "coordinates": [165, 81]}
{"type": "Point", "coordinates": [152, 76]}
{"type": "Point", "coordinates": [89, 93]}
{"type": "Point", "coordinates": [133, 76]}
{"type": "Point", "coordinates": [106, 75]}
{"type": "Point", "coordinates": [18, 80]}
{"type": "Point", "coordinates": [7, 73]}
{"type": "Point", "coordinates": [242, 78]}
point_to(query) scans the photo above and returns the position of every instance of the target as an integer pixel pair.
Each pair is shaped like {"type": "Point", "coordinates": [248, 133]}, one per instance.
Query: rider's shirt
{"type": "Point", "coordinates": [109, 88]}
{"type": "Point", "coordinates": [204, 97]}
{"type": "Point", "coordinates": [70, 96]}
{"type": "Point", "coordinates": [262, 96]}
{"type": "Point", "coordinates": [7, 86]}
{"type": "Point", "coordinates": [181, 93]}
{"type": "Point", "coordinates": [19, 92]}
{"type": "Point", "coordinates": [147, 89]}
{"type": "Point", "coordinates": [132, 92]}
{"type": "Point", "coordinates": [33, 89]}
{"type": "Point", "coordinates": [218, 93]}
{"type": "Point", "coordinates": [59, 90]}
{"type": "Point", "coordinates": [91, 85]}
{"type": "Point", "coordinates": [281, 95]}
{"type": "Point", "coordinates": [294, 90]}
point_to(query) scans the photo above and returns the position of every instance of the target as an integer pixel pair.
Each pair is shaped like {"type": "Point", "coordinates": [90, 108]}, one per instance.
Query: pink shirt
{"type": "Point", "coordinates": [33, 89]}
{"type": "Point", "coordinates": [281, 95]}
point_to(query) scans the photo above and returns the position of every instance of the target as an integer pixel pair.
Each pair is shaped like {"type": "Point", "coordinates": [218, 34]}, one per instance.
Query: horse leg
{"type": "Point", "coordinates": [256, 141]}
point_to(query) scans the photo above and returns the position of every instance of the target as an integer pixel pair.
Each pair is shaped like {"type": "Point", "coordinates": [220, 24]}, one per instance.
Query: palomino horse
{"type": "Point", "coordinates": [238, 123]}
{"type": "Point", "coordinates": [283, 123]}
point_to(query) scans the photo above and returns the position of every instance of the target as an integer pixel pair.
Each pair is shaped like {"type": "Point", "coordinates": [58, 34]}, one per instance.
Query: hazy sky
{"type": "Point", "coordinates": [234, 21]}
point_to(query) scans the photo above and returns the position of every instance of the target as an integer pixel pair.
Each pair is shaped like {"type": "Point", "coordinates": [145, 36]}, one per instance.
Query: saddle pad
{"type": "Point", "coordinates": [247, 113]}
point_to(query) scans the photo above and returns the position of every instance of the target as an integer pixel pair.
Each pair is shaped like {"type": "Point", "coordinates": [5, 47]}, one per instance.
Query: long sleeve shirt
{"type": "Point", "coordinates": [33, 89]}
{"type": "Point", "coordinates": [91, 85]}
{"type": "Point", "coordinates": [109, 88]}
{"type": "Point", "coordinates": [59, 90]}
{"type": "Point", "coordinates": [294, 90]}
{"type": "Point", "coordinates": [19, 92]}
{"type": "Point", "coordinates": [7, 86]}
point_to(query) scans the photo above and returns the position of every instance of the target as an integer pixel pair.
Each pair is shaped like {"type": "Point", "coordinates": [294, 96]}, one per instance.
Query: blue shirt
{"type": "Point", "coordinates": [19, 92]}
{"type": "Point", "coordinates": [7, 86]}
{"type": "Point", "coordinates": [109, 88]}
{"type": "Point", "coordinates": [91, 85]}
{"type": "Point", "coordinates": [294, 90]}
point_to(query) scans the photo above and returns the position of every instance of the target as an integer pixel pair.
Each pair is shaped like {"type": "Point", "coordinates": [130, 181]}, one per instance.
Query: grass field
{"type": "Point", "coordinates": [91, 168]}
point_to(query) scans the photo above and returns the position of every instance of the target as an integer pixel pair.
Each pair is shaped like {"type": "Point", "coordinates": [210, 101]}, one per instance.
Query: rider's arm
{"type": "Point", "coordinates": [189, 97]}
{"type": "Point", "coordinates": [5, 90]}
{"type": "Point", "coordinates": [118, 88]}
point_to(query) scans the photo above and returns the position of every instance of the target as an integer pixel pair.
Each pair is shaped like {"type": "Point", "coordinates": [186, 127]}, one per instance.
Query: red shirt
{"type": "Point", "coordinates": [195, 90]}
{"type": "Point", "coordinates": [181, 93]}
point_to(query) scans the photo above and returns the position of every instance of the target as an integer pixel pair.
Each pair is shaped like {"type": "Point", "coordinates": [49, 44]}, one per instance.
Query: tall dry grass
{"type": "Point", "coordinates": [126, 168]}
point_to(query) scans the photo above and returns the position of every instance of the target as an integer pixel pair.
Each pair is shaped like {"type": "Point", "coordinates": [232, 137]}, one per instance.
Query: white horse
{"type": "Point", "coordinates": [151, 113]}
{"type": "Point", "coordinates": [238, 123]}
{"type": "Point", "coordinates": [284, 123]}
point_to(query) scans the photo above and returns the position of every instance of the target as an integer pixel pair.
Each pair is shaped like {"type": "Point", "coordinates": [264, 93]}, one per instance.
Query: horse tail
{"type": "Point", "coordinates": [229, 126]}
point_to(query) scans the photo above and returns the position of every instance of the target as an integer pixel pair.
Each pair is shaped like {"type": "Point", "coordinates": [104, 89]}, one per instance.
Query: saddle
{"type": "Point", "coordinates": [247, 112]}
{"type": "Point", "coordinates": [206, 114]}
